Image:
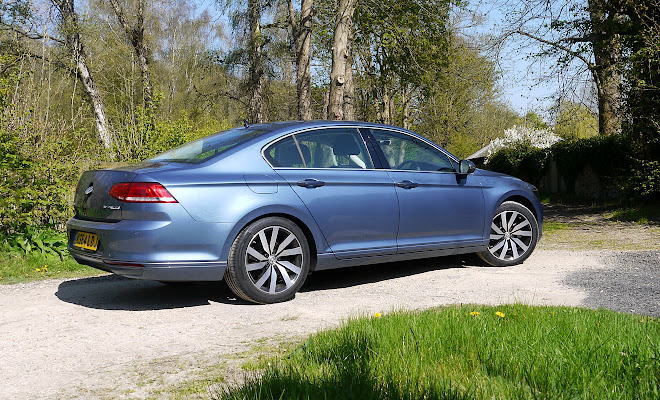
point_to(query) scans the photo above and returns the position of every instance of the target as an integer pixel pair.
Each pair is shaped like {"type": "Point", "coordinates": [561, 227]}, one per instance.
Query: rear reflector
{"type": "Point", "coordinates": [141, 192]}
{"type": "Point", "coordinates": [123, 264]}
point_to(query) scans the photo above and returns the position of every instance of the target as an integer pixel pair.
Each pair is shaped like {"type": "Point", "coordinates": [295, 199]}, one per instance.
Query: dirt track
{"type": "Point", "coordinates": [113, 337]}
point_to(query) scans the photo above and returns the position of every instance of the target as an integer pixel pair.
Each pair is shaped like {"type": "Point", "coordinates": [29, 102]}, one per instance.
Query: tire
{"type": "Point", "coordinates": [514, 233]}
{"type": "Point", "coordinates": [268, 261]}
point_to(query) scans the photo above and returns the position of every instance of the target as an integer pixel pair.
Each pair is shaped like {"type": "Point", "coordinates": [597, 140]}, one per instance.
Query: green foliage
{"type": "Point", "coordinates": [608, 156]}
{"type": "Point", "coordinates": [471, 352]}
{"type": "Point", "coordinates": [145, 139]}
{"type": "Point", "coordinates": [523, 161]}
{"type": "Point", "coordinates": [533, 120]}
{"type": "Point", "coordinates": [45, 241]}
{"type": "Point", "coordinates": [645, 179]}
{"type": "Point", "coordinates": [575, 121]}
{"type": "Point", "coordinates": [459, 108]}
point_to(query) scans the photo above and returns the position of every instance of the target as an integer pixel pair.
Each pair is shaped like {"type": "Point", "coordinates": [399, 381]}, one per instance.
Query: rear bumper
{"type": "Point", "coordinates": [179, 271]}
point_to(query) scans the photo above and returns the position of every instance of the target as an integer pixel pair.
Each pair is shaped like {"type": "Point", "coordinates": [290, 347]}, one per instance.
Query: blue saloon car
{"type": "Point", "coordinates": [260, 206]}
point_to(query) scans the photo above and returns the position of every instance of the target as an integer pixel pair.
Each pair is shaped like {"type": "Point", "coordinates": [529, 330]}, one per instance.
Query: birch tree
{"type": "Point", "coordinates": [70, 27]}
{"type": "Point", "coordinates": [135, 36]}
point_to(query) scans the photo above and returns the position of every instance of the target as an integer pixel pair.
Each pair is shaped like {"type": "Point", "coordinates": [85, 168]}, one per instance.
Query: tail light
{"type": "Point", "coordinates": [141, 192]}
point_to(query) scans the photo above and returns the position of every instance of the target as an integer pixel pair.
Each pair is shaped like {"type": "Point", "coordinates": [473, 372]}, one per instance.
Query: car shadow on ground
{"type": "Point", "coordinates": [112, 292]}
{"type": "Point", "coordinates": [354, 276]}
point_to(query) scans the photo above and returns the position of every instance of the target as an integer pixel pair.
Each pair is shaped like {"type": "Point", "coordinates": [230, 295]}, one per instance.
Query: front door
{"type": "Point", "coordinates": [437, 207]}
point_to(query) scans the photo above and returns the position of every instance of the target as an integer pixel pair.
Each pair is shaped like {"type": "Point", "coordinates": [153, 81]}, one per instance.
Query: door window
{"type": "Point", "coordinates": [323, 148]}
{"type": "Point", "coordinates": [404, 152]}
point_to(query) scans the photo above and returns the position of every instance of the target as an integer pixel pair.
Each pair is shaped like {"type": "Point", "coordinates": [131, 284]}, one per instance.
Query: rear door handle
{"type": "Point", "coordinates": [311, 183]}
{"type": "Point", "coordinates": [406, 184]}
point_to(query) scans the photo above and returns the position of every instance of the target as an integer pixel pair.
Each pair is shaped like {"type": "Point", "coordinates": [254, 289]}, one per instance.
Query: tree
{"type": "Point", "coordinates": [574, 120]}
{"type": "Point", "coordinates": [341, 57]}
{"type": "Point", "coordinates": [643, 77]}
{"type": "Point", "coordinates": [396, 63]}
{"type": "Point", "coordinates": [135, 35]}
{"type": "Point", "coordinates": [70, 28]}
{"type": "Point", "coordinates": [590, 33]}
{"type": "Point", "coordinates": [301, 29]}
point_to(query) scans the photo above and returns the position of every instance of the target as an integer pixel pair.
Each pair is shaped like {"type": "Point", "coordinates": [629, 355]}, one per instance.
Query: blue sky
{"type": "Point", "coordinates": [519, 83]}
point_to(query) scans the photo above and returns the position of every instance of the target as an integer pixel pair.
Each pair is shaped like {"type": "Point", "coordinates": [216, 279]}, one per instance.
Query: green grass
{"type": "Point", "coordinates": [18, 267]}
{"type": "Point", "coordinates": [527, 353]}
{"type": "Point", "coordinates": [553, 227]}
{"type": "Point", "coordinates": [647, 213]}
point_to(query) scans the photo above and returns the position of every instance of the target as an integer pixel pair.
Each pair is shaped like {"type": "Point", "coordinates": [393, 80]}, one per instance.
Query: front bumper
{"type": "Point", "coordinates": [179, 271]}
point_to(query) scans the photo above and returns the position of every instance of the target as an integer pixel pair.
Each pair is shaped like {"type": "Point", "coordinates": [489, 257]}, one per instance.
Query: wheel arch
{"type": "Point", "coordinates": [525, 202]}
{"type": "Point", "coordinates": [312, 234]}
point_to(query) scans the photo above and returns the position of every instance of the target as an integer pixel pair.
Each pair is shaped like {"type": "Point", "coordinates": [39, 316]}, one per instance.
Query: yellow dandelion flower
{"type": "Point", "coordinates": [475, 313]}
{"type": "Point", "coordinates": [499, 314]}
{"type": "Point", "coordinates": [377, 315]}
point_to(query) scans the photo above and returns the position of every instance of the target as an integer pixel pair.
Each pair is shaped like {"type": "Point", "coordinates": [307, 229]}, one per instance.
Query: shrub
{"type": "Point", "coordinates": [610, 157]}
{"type": "Point", "coordinates": [523, 161]}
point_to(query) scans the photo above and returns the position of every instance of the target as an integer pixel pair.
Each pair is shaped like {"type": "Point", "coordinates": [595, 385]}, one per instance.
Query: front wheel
{"type": "Point", "coordinates": [268, 261]}
{"type": "Point", "coordinates": [513, 235]}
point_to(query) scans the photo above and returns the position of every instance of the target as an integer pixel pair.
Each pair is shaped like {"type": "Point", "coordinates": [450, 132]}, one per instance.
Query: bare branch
{"type": "Point", "coordinates": [559, 46]}
{"type": "Point", "coordinates": [27, 35]}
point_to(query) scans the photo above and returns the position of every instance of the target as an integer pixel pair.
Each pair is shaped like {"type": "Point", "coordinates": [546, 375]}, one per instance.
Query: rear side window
{"type": "Point", "coordinates": [323, 148]}
{"type": "Point", "coordinates": [203, 149]}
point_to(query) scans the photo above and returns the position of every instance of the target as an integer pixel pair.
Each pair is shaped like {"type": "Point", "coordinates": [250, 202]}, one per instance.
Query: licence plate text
{"type": "Point", "coordinates": [84, 240]}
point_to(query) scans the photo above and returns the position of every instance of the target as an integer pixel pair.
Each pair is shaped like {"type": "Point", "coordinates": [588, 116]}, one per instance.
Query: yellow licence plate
{"type": "Point", "coordinates": [84, 240]}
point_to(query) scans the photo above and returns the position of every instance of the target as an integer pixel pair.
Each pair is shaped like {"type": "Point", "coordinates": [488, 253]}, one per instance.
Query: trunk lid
{"type": "Point", "coordinates": [93, 201]}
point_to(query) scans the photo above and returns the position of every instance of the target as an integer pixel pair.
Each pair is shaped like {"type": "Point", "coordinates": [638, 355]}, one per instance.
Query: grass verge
{"type": "Point", "coordinates": [467, 352]}
{"type": "Point", "coordinates": [17, 267]}
{"type": "Point", "coordinates": [553, 227]}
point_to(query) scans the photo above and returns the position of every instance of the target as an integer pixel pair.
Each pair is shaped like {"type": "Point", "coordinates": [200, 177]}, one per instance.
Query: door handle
{"type": "Point", "coordinates": [310, 183]}
{"type": "Point", "coordinates": [406, 184]}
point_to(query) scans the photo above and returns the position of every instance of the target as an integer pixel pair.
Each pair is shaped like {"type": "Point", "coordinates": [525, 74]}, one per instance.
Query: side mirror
{"type": "Point", "coordinates": [466, 167]}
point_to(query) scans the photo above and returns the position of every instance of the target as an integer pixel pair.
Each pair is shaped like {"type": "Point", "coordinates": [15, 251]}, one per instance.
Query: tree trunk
{"type": "Point", "coordinates": [405, 100]}
{"type": "Point", "coordinates": [302, 34]}
{"type": "Point", "coordinates": [349, 87]}
{"type": "Point", "coordinates": [135, 36]}
{"type": "Point", "coordinates": [607, 69]}
{"type": "Point", "coordinates": [256, 68]}
{"type": "Point", "coordinates": [71, 30]}
{"type": "Point", "coordinates": [385, 116]}
{"type": "Point", "coordinates": [340, 56]}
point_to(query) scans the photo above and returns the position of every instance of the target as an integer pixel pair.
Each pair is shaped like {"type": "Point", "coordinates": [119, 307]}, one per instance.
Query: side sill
{"type": "Point", "coordinates": [329, 261]}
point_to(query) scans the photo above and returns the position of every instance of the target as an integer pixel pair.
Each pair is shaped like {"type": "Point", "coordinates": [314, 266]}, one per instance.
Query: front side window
{"type": "Point", "coordinates": [404, 152]}
{"type": "Point", "coordinates": [322, 148]}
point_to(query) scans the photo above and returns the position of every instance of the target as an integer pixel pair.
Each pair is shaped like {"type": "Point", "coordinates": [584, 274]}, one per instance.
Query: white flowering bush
{"type": "Point", "coordinates": [523, 135]}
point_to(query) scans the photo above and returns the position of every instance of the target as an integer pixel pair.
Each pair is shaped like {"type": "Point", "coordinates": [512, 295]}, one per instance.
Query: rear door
{"type": "Point", "coordinates": [438, 208]}
{"type": "Point", "coordinates": [354, 204]}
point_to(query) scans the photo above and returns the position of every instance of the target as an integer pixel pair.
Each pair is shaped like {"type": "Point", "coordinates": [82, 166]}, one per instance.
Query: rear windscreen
{"type": "Point", "coordinates": [203, 149]}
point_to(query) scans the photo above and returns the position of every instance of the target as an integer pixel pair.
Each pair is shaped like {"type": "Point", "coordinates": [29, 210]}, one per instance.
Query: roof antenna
{"type": "Point", "coordinates": [246, 123]}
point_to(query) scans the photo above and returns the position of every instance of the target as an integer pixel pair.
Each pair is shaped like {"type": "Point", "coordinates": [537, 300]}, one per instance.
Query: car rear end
{"type": "Point", "coordinates": [128, 223]}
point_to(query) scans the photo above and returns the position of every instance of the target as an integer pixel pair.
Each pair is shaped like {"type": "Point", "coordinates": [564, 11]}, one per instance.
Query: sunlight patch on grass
{"type": "Point", "coordinates": [468, 352]}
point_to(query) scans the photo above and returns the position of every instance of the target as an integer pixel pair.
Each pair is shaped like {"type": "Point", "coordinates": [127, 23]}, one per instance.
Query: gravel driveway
{"type": "Point", "coordinates": [111, 337]}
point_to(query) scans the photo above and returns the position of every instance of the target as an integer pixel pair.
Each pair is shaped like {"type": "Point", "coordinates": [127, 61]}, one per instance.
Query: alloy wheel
{"type": "Point", "coordinates": [274, 259]}
{"type": "Point", "coordinates": [511, 235]}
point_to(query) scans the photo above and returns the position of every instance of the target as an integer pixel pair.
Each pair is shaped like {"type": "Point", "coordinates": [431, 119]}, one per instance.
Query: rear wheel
{"type": "Point", "coordinates": [513, 235]}
{"type": "Point", "coordinates": [268, 261]}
